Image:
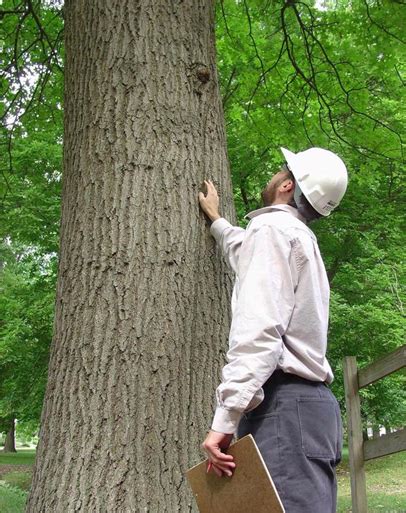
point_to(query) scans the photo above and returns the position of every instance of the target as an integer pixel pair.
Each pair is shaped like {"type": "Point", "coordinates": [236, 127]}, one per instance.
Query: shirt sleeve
{"type": "Point", "coordinates": [229, 238]}
{"type": "Point", "coordinates": [263, 309]}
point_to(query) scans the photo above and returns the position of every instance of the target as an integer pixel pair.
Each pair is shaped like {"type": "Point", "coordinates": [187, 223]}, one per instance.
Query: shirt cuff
{"type": "Point", "coordinates": [226, 421]}
{"type": "Point", "coordinates": [218, 226]}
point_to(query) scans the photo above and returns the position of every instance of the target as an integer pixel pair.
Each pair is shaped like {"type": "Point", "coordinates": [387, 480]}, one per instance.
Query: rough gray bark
{"type": "Point", "coordinates": [10, 441]}
{"type": "Point", "coordinates": [142, 311]}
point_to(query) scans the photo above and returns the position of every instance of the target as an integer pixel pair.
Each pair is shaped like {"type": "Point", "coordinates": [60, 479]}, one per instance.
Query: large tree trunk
{"type": "Point", "coordinates": [10, 441]}
{"type": "Point", "coordinates": [142, 309]}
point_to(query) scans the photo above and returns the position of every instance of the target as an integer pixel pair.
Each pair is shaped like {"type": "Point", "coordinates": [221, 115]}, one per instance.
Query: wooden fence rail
{"type": "Point", "coordinates": [360, 451]}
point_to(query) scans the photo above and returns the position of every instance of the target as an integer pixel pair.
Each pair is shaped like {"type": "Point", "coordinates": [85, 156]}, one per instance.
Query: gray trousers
{"type": "Point", "coordinates": [298, 431]}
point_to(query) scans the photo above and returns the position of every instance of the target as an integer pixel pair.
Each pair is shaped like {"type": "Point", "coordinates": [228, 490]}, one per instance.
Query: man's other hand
{"type": "Point", "coordinates": [221, 463]}
{"type": "Point", "coordinates": [209, 202]}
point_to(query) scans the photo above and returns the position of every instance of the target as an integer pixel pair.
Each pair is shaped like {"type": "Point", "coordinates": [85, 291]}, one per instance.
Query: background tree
{"type": "Point", "coordinates": [7, 425]}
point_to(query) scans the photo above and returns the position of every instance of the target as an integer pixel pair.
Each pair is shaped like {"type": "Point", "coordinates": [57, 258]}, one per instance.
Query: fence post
{"type": "Point", "coordinates": [355, 441]}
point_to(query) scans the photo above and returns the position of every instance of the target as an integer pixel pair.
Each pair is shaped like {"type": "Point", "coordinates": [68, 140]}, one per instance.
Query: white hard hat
{"type": "Point", "coordinates": [321, 176]}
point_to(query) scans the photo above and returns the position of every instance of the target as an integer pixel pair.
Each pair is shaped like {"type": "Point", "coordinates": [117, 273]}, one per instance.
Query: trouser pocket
{"type": "Point", "coordinates": [320, 428]}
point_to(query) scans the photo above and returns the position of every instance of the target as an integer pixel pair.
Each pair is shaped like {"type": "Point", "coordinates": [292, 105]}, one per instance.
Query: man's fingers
{"type": "Point", "coordinates": [221, 469]}
{"type": "Point", "coordinates": [221, 457]}
{"type": "Point", "coordinates": [223, 461]}
{"type": "Point", "coordinates": [212, 188]}
{"type": "Point", "coordinates": [217, 471]}
{"type": "Point", "coordinates": [229, 465]}
{"type": "Point", "coordinates": [216, 455]}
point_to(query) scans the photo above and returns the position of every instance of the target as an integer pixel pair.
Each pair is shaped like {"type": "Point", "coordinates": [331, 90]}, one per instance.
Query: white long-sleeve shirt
{"type": "Point", "coordinates": [280, 308]}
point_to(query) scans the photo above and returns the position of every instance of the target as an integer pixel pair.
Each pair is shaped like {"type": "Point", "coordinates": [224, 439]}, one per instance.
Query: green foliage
{"type": "Point", "coordinates": [31, 79]}
{"type": "Point", "coordinates": [12, 500]}
{"type": "Point", "coordinates": [30, 165]}
{"type": "Point", "coordinates": [26, 318]}
{"type": "Point", "coordinates": [27, 432]}
{"type": "Point", "coordinates": [32, 198]}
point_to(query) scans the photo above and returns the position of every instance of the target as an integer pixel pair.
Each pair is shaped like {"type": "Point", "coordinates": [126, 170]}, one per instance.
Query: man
{"type": "Point", "coordinates": [274, 385]}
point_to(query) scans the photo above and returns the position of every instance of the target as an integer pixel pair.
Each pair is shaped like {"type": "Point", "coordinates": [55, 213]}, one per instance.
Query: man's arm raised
{"type": "Point", "coordinates": [228, 237]}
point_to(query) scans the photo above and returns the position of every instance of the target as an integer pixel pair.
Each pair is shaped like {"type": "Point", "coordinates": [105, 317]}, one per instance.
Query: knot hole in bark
{"type": "Point", "coordinates": [200, 76]}
{"type": "Point", "coordinates": [203, 74]}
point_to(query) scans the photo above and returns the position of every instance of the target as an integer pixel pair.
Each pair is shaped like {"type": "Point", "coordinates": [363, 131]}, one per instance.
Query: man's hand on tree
{"type": "Point", "coordinates": [221, 463]}
{"type": "Point", "coordinates": [209, 202]}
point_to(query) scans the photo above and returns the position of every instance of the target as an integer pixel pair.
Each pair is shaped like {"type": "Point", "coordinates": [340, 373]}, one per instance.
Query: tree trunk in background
{"type": "Point", "coordinates": [10, 442]}
{"type": "Point", "coordinates": [142, 312]}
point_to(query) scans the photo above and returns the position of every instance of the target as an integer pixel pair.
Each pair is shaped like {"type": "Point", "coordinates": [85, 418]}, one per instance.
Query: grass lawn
{"type": "Point", "coordinates": [386, 483]}
{"type": "Point", "coordinates": [21, 457]}
{"type": "Point", "coordinates": [15, 479]}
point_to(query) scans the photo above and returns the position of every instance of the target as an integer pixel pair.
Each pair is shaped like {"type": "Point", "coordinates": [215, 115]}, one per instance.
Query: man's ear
{"type": "Point", "coordinates": [287, 185]}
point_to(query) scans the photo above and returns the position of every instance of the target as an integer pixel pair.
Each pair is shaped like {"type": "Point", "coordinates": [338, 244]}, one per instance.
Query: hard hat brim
{"type": "Point", "coordinates": [289, 155]}
{"type": "Point", "coordinates": [290, 159]}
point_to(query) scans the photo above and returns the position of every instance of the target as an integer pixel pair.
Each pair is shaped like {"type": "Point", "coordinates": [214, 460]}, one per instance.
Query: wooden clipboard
{"type": "Point", "coordinates": [249, 489]}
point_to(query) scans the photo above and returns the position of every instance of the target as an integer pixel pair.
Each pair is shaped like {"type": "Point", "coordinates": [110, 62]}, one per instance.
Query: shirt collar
{"type": "Point", "coordinates": [283, 207]}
